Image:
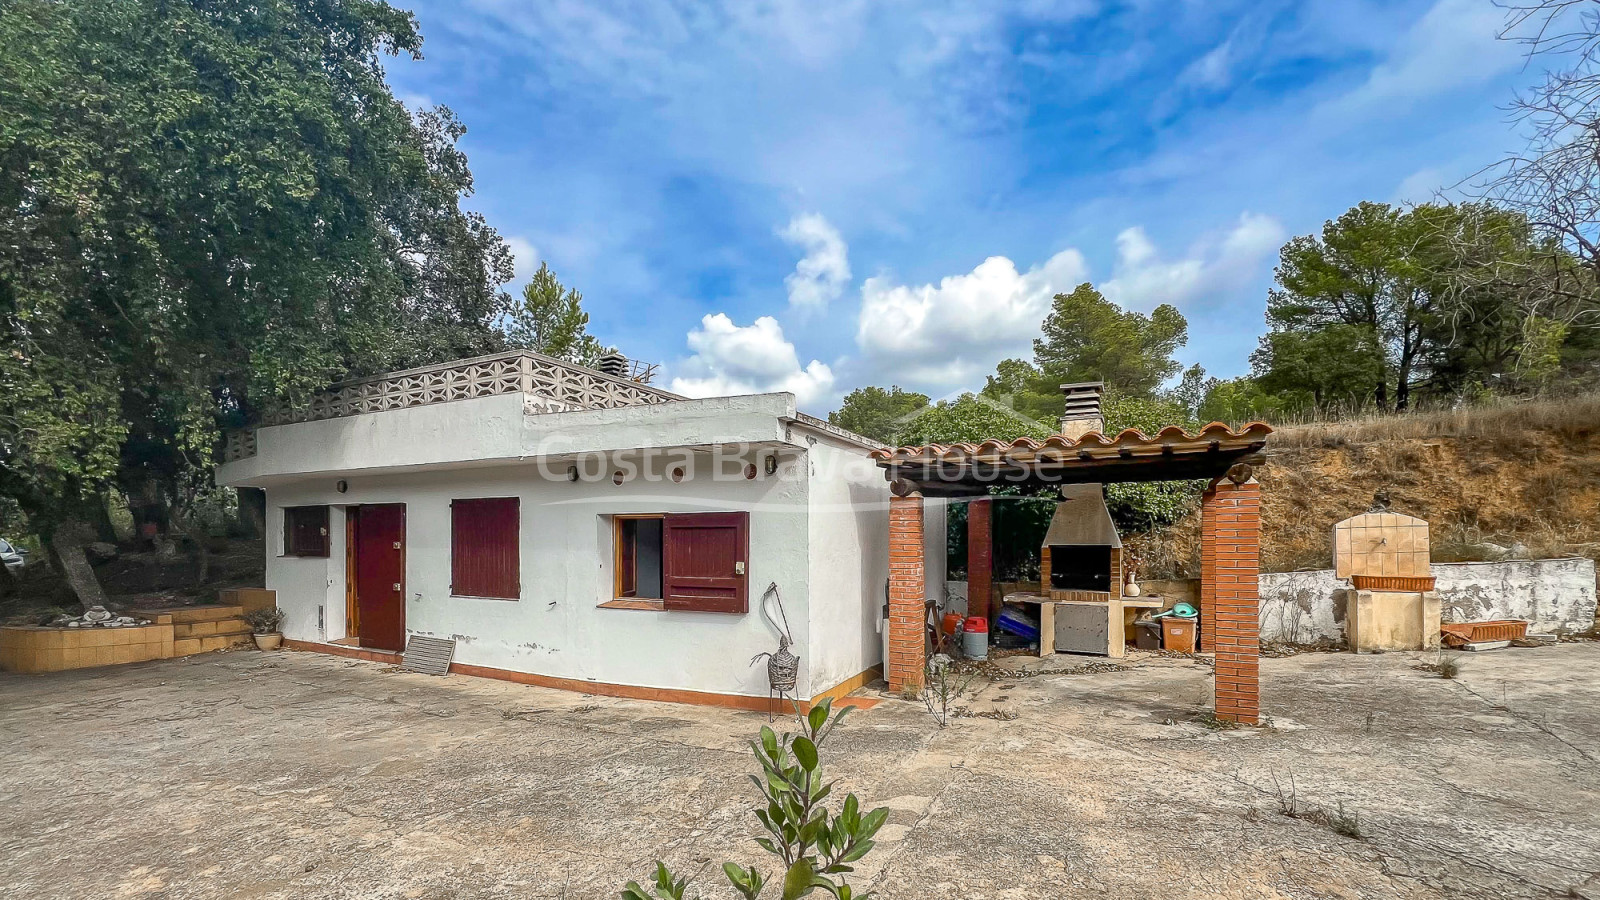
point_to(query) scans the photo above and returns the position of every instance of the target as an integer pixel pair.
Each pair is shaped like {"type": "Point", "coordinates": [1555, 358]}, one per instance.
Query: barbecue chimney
{"type": "Point", "coordinates": [1082, 414]}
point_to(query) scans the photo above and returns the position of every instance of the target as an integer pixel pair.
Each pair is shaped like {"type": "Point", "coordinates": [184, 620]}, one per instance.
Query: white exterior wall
{"type": "Point", "coordinates": [936, 549]}
{"type": "Point", "coordinates": [565, 550]}
{"type": "Point", "coordinates": [310, 581]}
{"type": "Point", "coordinates": [849, 537]}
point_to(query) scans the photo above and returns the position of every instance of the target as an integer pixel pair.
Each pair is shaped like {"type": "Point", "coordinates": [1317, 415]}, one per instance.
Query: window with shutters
{"type": "Point", "coordinates": [691, 562]}
{"type": "Point", "coordinates": [305, 531]}
{"type": "Point", "coordinates": [636, 567]}
{"type": "Point", "coordinates": [484, 556]}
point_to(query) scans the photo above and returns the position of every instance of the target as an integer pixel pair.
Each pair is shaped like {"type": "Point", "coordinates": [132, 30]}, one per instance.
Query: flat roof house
{"type": "Point", "coordinates": [574, 528]}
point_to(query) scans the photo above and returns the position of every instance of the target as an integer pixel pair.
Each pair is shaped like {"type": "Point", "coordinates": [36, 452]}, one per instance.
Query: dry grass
{"type": "Point", "coordinates": [1507, 423]}
{"type": "Point", "coordinates": [1519, 477]}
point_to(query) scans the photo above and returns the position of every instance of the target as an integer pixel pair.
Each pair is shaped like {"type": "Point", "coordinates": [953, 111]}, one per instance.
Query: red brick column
{"type": "Point", "coordinates": [1235, 547]}
{"type": "Point", "coordinates": [980, 556]}
{"type": "Point", "coordinates": [1208, 571]}
{"type": "Point", "coordinates": [908, 613]}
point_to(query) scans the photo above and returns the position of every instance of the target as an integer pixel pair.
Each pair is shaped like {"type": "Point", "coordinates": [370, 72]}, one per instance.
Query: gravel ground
{"type": "Point", "coordinates": [300, 775]}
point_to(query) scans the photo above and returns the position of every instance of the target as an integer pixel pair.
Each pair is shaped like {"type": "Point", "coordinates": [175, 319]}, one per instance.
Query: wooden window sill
{"type": "Point", "coordinates": [482, 597]}
{"type": "Point", "coordinates": [631, 603]}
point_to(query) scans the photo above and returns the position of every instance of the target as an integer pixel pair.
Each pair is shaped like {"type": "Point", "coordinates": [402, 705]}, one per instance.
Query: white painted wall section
{"type": "Point", "coordinates": [848, 504]}
{"type": "Point", "coordinates": [1555, 596]}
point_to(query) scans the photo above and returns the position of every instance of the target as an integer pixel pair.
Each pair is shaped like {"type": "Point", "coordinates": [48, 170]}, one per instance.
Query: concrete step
{"type": "Point", "coordinates": [184, 630]}
{"type": "Point", "coordinates": [184, 615]}
{"type": "Point", "coordinates": [191, 646]}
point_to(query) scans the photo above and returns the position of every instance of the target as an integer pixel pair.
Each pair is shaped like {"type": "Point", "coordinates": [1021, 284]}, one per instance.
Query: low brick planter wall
{"type": "Point", "coordinates": [26, 648]}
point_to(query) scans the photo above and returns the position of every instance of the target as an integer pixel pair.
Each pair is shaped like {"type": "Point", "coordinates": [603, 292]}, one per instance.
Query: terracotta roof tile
{"type": "Point", "coordinates": [1128, 438]}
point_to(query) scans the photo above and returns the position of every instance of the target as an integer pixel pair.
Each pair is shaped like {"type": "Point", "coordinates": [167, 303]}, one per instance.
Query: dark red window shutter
{"type": "Point", "coordinates": [305, 531]}
{"type": "Point", "coordinates": [704, 556]}
{"type": "Point", "coordinates": [484, 557]}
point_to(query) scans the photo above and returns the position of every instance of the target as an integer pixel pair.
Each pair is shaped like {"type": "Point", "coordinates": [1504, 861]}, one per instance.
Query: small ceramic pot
{"type": "Point", "coordinates": [268, 641]}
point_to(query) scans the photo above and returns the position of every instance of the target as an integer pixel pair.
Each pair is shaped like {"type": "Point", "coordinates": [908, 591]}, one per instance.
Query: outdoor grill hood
{"type": "Point", "coordinates": [1082, 519]}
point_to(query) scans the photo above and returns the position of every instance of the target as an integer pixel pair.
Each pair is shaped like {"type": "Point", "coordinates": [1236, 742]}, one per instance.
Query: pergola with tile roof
{"type": "Point", "coordinates": [1230, 529]}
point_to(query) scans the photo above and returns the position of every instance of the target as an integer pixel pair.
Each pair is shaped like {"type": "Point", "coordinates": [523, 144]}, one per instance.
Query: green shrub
{"type": "Point", "coordinates": [812, 845]}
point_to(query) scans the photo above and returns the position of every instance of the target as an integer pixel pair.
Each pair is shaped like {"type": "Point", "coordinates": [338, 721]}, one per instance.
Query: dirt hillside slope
{"type": "Point", "coordinates": [1523, 479]}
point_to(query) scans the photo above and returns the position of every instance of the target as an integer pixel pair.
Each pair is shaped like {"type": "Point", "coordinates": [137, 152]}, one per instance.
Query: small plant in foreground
{"type": "Point", "coordinates": [268, 620]}
{"type": "Point", "coordinates": [812, 845]}
{"type": "Point", "coordinates": [943, 689]}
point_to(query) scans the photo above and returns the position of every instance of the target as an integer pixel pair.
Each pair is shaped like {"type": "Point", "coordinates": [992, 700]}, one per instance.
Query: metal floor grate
{"type": "Point", "coordinates": [428, 655]}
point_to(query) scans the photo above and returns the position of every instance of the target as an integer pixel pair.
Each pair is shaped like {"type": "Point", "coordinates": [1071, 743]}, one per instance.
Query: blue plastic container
{"type": "Point", "coordinates": [1015, 621]}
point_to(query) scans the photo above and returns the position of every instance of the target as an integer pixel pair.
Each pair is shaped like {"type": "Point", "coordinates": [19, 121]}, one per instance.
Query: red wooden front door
{"type": "Point", "coordinates": [381, 576]}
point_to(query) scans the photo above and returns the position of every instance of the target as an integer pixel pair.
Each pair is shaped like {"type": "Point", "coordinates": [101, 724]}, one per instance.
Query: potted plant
{"type": "Point", "coordinates": [265, 623]}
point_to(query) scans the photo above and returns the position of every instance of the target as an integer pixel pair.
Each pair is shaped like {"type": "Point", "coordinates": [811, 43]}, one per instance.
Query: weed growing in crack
{"type": "Point", "coordinates": [1212, 722]}
{"type": "Point", "coordinates": [1338, 820]}
{"type": "Point", "coordinates": [943, 689]}
{"type": "Point", "coordinates": [1445, 665]}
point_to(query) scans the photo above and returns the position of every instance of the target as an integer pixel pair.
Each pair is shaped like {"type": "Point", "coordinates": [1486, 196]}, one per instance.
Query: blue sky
{"type": "Point", "coordinates": [814, 197]}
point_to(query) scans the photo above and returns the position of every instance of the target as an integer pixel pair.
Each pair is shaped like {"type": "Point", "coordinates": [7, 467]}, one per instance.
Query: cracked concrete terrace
{"type": "Point", "coordinates": [300, 775]}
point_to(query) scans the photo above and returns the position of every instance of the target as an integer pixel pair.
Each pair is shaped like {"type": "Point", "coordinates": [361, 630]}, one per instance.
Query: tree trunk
{"type": "Point", "coordinates": [99, 513]}
{"type": "Point", "coordinates": [66, 545]}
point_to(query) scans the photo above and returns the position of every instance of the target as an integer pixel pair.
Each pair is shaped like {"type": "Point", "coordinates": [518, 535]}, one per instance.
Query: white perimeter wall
{"type": "Point", "coordinates": [556, 629]}
{"type": "Point", "coordinates": [1556, 596]}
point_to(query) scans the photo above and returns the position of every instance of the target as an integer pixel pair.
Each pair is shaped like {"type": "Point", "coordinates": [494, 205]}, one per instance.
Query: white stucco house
{"type": "Point", "coordinates": [576, 529]}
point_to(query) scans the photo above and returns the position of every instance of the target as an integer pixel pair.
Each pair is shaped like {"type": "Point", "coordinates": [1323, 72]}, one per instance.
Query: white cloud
{"type": "Point", "coordinates": [1213, 71]}
{"type": "Point", "coordinates": [749, 359]}
{"type": "Point", "coordinates": [1143, 280]}
{"type": "Point", "coordinates": [819, 277]}
{"type": "Point", "coordinates": [526, 257]}
{"type": "Point", "coordinates": [1455, 43]}
{"type": "Point", "coordinates": [952, 333]}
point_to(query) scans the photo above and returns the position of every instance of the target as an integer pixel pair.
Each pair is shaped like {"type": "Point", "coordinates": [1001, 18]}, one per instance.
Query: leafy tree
{"type": "Point", "coordinates": [207, 208]}
{"type": "Point", "coordinates": [971, 418]}
{"type": "Point", "coordinates": [1337, 364]}
{"type": "Point", "coordinates": [813, 845]}
{"type": "Point", "coordinates": [877, 413]}
{"type": "Point", "coordinates": [1361, 273]}
{"type": "Point", "coordinates": [1190, 392]}
{"type": "Point", "coordinates": [1020, 385]}
{"type": "Point", "coordinates": [1512, 297]}
{"type": "Point", "coordinates": [1089, 338]}
{"type": "Point", "coordinates": [1445, 295]}
{"type": "Point", "coordinates": [550, 320]}
{"type": "Point", "coordinates": [1143, 506]}
{"type": "Point", "coordinates": [1237, 400]}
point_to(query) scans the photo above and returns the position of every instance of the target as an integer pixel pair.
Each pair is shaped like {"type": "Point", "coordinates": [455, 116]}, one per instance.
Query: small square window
{"type": "Point", "coordinates": [305, 531]}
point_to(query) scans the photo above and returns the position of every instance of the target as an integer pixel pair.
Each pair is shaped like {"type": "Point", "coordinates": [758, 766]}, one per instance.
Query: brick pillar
{"type": "Point", "coordinates": [980, 556]}
{"type": "Point", "coordinates": [1234, 547]}
{"type": "Point", "coordinates": [1208, 571]}
{"type": "Point", "coordinates": [908, 614]}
